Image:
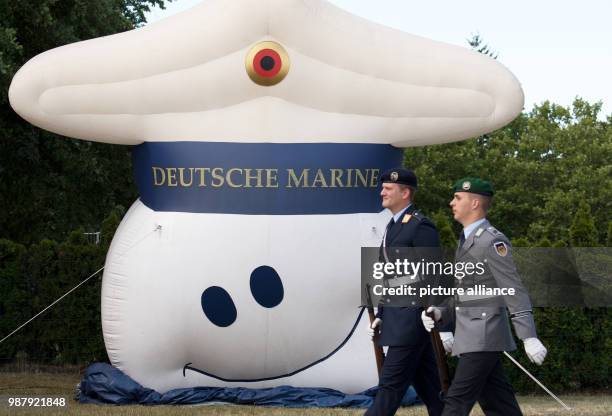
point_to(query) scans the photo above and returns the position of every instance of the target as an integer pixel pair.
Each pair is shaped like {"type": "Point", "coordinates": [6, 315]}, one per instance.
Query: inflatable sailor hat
{"type": "Point", "coordinates": [346, 80]}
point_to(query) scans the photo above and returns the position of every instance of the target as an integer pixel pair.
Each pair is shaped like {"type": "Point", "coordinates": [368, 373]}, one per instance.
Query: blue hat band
{"type": "Point", "coordinates": [262, 178]}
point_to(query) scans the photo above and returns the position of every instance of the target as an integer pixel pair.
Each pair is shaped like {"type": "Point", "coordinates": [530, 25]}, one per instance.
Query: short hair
{"type": "Point", "coordinates": [402, 187]}
{"type": "Point", "coordinates": [485, 201]}
{"type": "Point", "coordinates": [411, 188]}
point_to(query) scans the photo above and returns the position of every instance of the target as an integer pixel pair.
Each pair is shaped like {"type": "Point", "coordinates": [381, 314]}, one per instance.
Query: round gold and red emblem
{"type": "Point", "coordinates": [267, 63]}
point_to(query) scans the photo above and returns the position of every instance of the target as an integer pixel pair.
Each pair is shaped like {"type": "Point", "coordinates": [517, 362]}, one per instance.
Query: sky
{"type": "Point", "coordinates": [558, 49]}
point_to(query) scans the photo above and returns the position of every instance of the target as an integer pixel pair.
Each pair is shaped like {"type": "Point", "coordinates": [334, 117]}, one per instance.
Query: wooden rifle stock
{"type": "Point", "coordinates": [378, 350]}
{"type": "Point", "coordinates": [438, 347]}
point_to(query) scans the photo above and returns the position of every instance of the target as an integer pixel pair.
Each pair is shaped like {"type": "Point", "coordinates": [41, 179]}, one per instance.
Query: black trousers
{"type": "Point", "coordinates": [480, 377]}
{"type": "Point", "coordinates": [404, 366]}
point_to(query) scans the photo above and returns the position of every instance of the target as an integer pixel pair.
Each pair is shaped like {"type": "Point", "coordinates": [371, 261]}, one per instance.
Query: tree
{"type": "Point", "coordinates": [447, 236]}
{"type": "Point", "coordinates": [542, 164]}
{"type": "Point", "coordinates": [109, 226]}
{"type": "Point", "coordinates": [520, 242]}
{"type": "Point", "coordinates": [582, 231]}
{"type": "Point", "coordinates": [544, 242]}
{"type": "Point", "coordinates": [477, 44]}
{"type": "Point", "coordinates": [32, 278]}
{"type": "Point", "coordinates": [49, 184]}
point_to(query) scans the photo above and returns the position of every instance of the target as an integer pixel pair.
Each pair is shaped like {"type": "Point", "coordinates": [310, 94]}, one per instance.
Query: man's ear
{"type": "Point", "coordinates": [476, 203]}
{"type": "Point", "coordinates": [407, 193]}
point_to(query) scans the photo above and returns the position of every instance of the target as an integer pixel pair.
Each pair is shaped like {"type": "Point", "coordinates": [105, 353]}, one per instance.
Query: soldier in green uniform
{"type": "Point", "coordinates": [482, 330]}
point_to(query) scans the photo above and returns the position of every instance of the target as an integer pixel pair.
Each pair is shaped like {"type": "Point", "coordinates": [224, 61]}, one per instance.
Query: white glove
{"type": "Point", "coordinates": [535, 350]}
{"type": "Point", "coordinates": [447, 340]}
{"type": "Point", "coordinates": [429, 323]}
{"type": "Point", "coordinates": [372, 328]}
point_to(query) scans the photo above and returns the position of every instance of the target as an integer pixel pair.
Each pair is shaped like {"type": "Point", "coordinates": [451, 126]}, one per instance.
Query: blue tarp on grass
{"type": "Point", "coordinates": [104, 384]}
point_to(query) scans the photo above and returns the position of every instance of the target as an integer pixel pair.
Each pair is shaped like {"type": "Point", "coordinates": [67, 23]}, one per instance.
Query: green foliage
{"type": "Point", "coordinates": [11, 255]}
{"type": "Point", "coordinates": [542, 164]}
{"type": "Point", "coordinates": [544, 242]}
{"type": "Point", "coordinates": [609, 237]}
{"type": "Point", "coordinates": [579, 351]}
{"type": "Point", "coordinates": [479, 46]}
{"type": "Point", "coordinates": [32, 278]}
{"type": "Point", "coordinates": [520, 242]}
{"type": "Point", "coordinates": [10, 53]}
{"type": "Point", "coordinates": [109, 226]}
{"type": "Point", "coordinates": [135, 10]}
{"type": "Point", "coordinates": [582, 231]}
{"type": "Point", "coordinates": [447, 235]}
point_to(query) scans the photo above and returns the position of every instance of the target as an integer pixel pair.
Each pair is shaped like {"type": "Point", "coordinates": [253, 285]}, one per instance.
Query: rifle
{"type": "Point", "coordinates": [378, 350]}
{"type": "Point", "coordinates": [438, 347]}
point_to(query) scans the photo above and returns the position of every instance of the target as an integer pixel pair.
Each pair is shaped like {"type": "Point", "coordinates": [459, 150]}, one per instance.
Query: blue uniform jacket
{"type": "Point", "coordinates": [402, 325]}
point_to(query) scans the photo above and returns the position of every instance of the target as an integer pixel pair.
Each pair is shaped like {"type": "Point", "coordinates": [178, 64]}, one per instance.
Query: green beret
{"type": "Point", "coordinates": [474, 185]}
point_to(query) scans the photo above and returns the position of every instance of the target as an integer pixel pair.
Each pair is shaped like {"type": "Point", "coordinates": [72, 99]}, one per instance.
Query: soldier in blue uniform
{"type": "Point", "coordinates": [410, 357]}
{"type": "Point", "coordinates": [482, 330]}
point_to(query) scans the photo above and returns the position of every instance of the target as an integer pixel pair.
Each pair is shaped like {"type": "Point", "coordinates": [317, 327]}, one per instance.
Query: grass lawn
{"type": "Point", "coordinates": [62, 385]}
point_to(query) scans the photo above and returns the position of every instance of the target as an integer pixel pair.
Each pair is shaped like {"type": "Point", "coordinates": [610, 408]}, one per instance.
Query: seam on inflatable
{"type": "Point", "coordinates": [101, 115]}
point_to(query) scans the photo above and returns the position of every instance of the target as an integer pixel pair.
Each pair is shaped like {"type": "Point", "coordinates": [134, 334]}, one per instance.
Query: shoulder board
{"type": "Point", "coordinates": [496, 236]}
{"type": "Point", "coordinates": [490, 234]}
{"type": "Point", "coordinates": [418, 216]}
{"type": "Point", "coordinates": [494, 231]}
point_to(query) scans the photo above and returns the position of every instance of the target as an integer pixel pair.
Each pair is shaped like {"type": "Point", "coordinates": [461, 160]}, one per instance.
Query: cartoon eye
{"type": "Point", "coordinates": [266, 286]}
{"type": "Point", "coordinates": [267, 63]}
{"type": "Point", "coordinates": [218, 306]}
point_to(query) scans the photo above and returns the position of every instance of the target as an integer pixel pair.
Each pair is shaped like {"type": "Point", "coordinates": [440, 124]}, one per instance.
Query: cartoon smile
{"type": "Point", "coordinates": [188, 366]}
{"type": "Point", "coordinates": [266, 287]}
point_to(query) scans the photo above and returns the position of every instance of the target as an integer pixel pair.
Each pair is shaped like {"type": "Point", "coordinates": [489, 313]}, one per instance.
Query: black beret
{"type": "Point", "coordinates": [399, 175]}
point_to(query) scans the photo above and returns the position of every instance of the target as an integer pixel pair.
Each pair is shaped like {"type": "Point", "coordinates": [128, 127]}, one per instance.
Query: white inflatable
{"type": "Point", "coordinates": [255, 123]}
